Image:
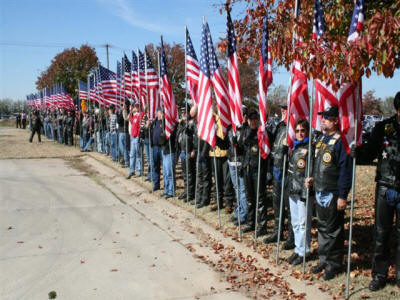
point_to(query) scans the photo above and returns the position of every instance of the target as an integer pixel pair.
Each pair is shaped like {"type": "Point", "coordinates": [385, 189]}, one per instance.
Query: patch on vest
{"type": "Point", "coordinates": [389, 128]}
{"type": "Point", "coordinates": [301, 164]}
{"type": "Point", "coordinates": [327, 157]}
{"type": "Point", "coordinates": [254, 149]}
{"type": "Point", "coordinates": [318, 144]}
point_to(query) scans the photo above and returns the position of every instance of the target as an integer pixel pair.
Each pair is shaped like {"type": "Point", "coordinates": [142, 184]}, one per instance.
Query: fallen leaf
{"type": "Point", "coordinates": [114, 270]}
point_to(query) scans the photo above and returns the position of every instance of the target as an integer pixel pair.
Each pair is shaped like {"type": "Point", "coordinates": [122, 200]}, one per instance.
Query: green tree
{"type": "Point", "coordinates": [68, 67]}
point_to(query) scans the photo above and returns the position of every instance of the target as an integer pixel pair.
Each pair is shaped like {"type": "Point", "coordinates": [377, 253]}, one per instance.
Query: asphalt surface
{"type": "Point", "coordinates": [62, 231]}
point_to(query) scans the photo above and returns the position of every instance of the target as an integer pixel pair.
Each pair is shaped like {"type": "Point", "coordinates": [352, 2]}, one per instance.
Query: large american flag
{"type": "Point", "coordinates": [192, 69]}
{"type": "Point", "coordinates": [92, 89]}
{"type": "Point", "coordinates": [219, 84]}
{"type": "Point", "coordinates": [142, 81]}
{"type": "Point", "coordinates": [205, 117]}
{"type": "Point", "coordinates": [152, 83]}
{"type": "Point", "coordinates": [167, 95]}
{"type": "Point", "coordinates": [325, 97]}
{"type": "Point", "coordinates": [350, 94]}
{"type": "Point", "coordinates": [135, 77]}
{"type": "Point", "coordinates": [235, 92]}
{"type": "Point", "coordinates": [264, 81]}
{"type": "Point", "coordinates": [126, 81]}
{"type": "Point", "coordinates": [108, 86]}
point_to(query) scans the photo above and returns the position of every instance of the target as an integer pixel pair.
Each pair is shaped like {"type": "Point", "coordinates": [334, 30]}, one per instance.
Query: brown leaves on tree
{"type": "Point", "coordinates": [377, 50]}
{"type": "Point", "coordinates": [68, 67]}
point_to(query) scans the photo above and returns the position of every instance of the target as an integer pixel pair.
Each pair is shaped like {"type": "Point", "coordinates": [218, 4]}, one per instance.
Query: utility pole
{"type": "Point", "coordinates": [108, 61]}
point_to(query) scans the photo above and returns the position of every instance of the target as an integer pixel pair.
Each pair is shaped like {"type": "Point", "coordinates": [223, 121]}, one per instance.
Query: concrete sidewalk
{"type": "Point", "coordinates": [60, 230]}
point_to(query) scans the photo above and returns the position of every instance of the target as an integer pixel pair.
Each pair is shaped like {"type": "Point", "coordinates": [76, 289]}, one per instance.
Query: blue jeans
{"type": "Point", "coordinates": [241, 192]}
{"type": "Point", "coordinates": [99, 142]}
{"type": "Point", "coordinates": [113, 144]}
{"type": "Point", "coordinates": [122, 147]}
{"type": "Point", "coordinates": [106, 142]}
{"type": "Point", "coordinates": [88, 144]}
{"type": "Point", "coordinates": [157, 157]}
{"type": "Point", "coordinates": [45, 129]}
{"type": "Point", "coordinates": [60, 134]}
{"type": "Point", "coordinates": [298, 217]}
{"type": "Point", "coordinates": [169, 173]}
{"type": "Point", "coordinates": [135, 159]}
{"type": "Point", "coordinates": [149, 159]}
{"type": "Point", "coordinates": [51, 131]}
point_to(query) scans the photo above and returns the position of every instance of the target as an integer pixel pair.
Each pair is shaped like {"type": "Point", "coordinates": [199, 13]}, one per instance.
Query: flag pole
{"type": "Point", "coordinates": [151, 149]}
{"type": "Point", "coordinates": [308, 169]}
{"type": "Point", "coordinates": [285, 157]}
{"type": "Point", "coordinates": [169, 139]}
{"type": "Point", "coordinates": [216, 174]}
{"type": "Point", "coordinates": [353, 179]}
{"type": "Point", "coordinates": [187, 124]}
{"type": "Point", "coordinates": [257, 197]}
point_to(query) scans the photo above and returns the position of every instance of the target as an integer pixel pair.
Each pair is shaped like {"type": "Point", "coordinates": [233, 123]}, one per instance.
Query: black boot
{"type": "Point", "coordinates": [289, 244]}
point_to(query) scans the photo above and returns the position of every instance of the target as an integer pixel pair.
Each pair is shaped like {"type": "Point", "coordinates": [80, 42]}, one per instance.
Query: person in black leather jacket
{"type": "Point", "coordinates": [384, 144]}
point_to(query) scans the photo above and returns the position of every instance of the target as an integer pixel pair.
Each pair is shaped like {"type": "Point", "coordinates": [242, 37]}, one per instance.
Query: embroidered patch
{"type": "Point", "coordinates": [301, 163]}
{"type": "Point", "coordinates": [332, 142]}
{"type": "Point", "coordinates": [327, 157]}
{"type": "Point", "coordinates": [318, 144]}
{"type": "Point", "coordinates": [389, 128]}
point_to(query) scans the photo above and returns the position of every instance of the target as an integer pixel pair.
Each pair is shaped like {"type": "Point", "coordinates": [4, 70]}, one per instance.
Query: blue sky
{"type": "Point", "coordinates": [33, 31]}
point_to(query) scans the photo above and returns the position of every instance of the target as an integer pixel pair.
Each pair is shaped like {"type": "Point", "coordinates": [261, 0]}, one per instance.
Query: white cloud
{"type": "Point", "coordinates": [124, 10]}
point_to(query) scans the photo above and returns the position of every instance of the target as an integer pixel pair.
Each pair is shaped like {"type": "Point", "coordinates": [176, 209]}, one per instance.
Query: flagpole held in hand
{"type": "Point", "coordinates": [353, 179]}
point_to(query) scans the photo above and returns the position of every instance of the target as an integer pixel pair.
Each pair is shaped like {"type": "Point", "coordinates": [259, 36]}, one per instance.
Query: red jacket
{"type": "Point", "coordinates": [135, 123]}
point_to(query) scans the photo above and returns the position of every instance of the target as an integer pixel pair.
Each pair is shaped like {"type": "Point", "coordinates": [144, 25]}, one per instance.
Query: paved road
{"type": "Point", "coordinates": [61, 231]}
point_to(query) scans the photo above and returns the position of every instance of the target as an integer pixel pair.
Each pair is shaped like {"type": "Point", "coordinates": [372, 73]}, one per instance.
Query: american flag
{"type": "Point", "coordinates": [58, 96]}
{"type": "Point", "coordinates": [152, 83]}
{"type": "Point", "coordinates": [219, 84]}
{"type": "Point", "coordinates": [119, 81]}
{"type": "Point", "coordinates": [91, 91]}
{"type": "Point", "coordinates": [83, 93]}
{"type": "Point", "coordinates": [299, 101]}
{"type": "Point", "coordinates": [47, 97]}
{"type": "Point", "coordinates": [127, 81]}
{"type": "Point", "coordinates": [192, 69]}
{"type": "Point", "coordinates": [171, 110]}
{"type": "Point", "coordinates": [264, 81]}
{"type": "Point", "coordinates": [235, 92]}
{"type": "Point", "coordinates": [357, 21]}
{"type": "Point", "coordinates": [108, 86]}
{"type": "Point", "coordinates": [350, 94]}
{"type": "Point", "coordinates": [325, 97]}
{"type": "Point", "coordinates": [68, 101]}
{"type": "Point", "coordinates": [205, 117]}
{"type": "Point", "coordinates": [142, 80]}
{"type": "Point", "coordinates": [135, 77]}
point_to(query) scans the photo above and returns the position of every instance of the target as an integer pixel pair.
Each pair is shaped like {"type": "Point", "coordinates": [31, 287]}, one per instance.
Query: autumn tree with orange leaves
{"type": "Point", "coordinates": [378, 49]}
{"type": "Point", "coordinates": [68, 67]}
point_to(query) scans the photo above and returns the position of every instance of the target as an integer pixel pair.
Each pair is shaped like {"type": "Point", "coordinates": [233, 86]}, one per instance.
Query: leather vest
{"type": "Point", "coordinates": [388, 169]}
{"type": "Point", "coordinates": [251, 150]}
{"type": "Point", "coordinates": [326, 169]}
{"type": "Point", "coordinates": [297, 171]}
{"type": "Point", "coordinates": [280, 140]}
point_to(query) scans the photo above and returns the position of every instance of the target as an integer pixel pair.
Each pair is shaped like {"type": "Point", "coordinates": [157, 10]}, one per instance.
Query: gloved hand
{"type": "Point", "coordinates": [285, 149]}
{"type": "Point", "coordinates": [353, 151]}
